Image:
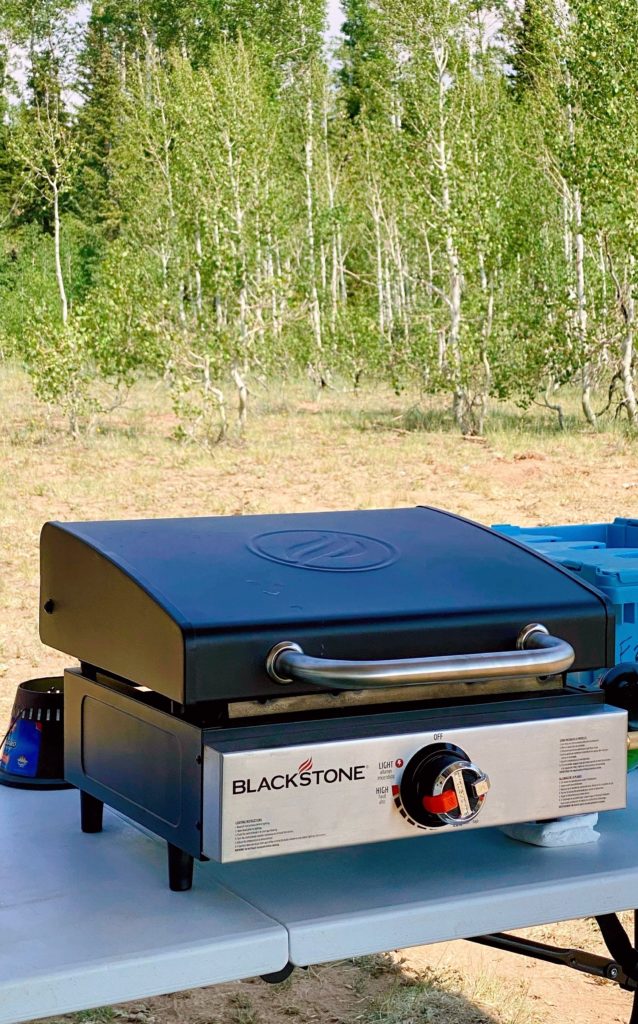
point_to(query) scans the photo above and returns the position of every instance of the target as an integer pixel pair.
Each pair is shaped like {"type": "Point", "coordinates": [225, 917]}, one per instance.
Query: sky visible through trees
{"type": "Point", "coordinates": [444, 196]}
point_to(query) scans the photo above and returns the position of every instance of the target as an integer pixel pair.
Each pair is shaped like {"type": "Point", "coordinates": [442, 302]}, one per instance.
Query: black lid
{"type": "Point", "coordinates": [190, 607]}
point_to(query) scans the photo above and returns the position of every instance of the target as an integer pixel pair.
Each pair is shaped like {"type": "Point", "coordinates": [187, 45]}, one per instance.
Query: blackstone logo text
{"type": "Point", "coordinates": [299, 779]}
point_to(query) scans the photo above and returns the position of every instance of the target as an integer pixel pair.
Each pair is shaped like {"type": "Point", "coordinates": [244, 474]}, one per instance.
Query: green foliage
{"type": "Point", "coordinates": [98, 127]}
{"type": "Point", "coordinates": [27, 280]}
{"type": "Point", "coordinates": [192, 190]}
{"type": "Point", "coordinates": [58, 360]}
{"type": "Point", "coordinates": [365, 69]}
{"type": "Point", "coordinates": [126, 317]}
{"type": "Point", "coordinates": [536, 54]}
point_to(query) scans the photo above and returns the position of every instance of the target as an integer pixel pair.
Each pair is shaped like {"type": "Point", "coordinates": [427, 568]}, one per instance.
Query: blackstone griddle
{"type": "Point", "coordinates": [260, 685]}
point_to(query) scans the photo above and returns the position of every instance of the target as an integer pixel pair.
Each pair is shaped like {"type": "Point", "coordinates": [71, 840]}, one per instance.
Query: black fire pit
{"type": "Point", "coordinates": [32, 750]}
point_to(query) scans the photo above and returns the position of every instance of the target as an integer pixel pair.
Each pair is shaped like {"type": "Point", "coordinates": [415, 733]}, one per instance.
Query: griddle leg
{"type": "Point", "coordinates": [91, 812]}
{"type": "Point", "coordinates": [180, 869]}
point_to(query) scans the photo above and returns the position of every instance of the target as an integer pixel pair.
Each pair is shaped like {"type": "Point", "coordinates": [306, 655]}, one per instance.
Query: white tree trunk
{"type": "Point", "coordinates": [210, 391]}
{"type": "Point", "coordinates": [481, 399]}
{"type": "Point", "coordinates": [579, 267]}
{"type": "Point", "coordinates": [238, 216]}
{"type": "Point", "coordinates": [567, 228]}
{"type": "Point", "coordinates": [323, 263]}
{"type": "Point", "coordinates": [627, 351]}
{"type": "Point", "coordinates": [198, 272]}
{"type": "Point", "coordinates": [336, 269]}
{"type": "Point", "coordinates": [439, 52]}
{"type": "Point", "coordinates": [242, 392]}
{"type": "Point", "coordinates": [59, 276]}
{"type": "Point", "coordinates": [388, 293]}
{"type": "Point", "coordinates": [376, 218]}
{"type": "Point", "coordinates": [273, 275]}
{"type": "Point", "coordinates": [581, 309]}
{"type": "Point", "coordinates": [602, 266]}
{"type": "Point", "coordinates": [220, 318]}
{"type": "Point", "coordinates": [315, 309]}
{"type": "Point", "coordinates": [181, 308]}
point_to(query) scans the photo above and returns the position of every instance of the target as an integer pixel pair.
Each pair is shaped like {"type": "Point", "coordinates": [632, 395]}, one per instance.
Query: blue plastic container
{"type": "Point", "coordinates": [615, 572]}
{"type": "Point", "coordinates": [622, 533]}
{"type": "Point", "coordinates": [605, 555]}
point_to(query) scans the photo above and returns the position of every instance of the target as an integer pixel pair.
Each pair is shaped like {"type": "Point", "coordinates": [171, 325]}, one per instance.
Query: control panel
{"type": "Point", "coordinates": [273, 798]}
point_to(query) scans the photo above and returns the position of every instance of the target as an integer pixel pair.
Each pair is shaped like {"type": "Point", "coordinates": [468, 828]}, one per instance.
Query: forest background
{"type": "Point", "coordinates": [205, 192]}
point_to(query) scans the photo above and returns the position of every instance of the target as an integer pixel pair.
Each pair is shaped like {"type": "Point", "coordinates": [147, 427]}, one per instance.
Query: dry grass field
{"type": "Point", "coordinates": [303, 453]}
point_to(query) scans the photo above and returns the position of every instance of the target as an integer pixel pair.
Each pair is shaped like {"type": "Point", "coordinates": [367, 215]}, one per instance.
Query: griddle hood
{"type": "Point", "coordinates": [191, 607]}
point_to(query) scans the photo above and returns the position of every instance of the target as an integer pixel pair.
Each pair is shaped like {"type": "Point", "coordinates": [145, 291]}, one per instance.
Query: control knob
{"type": "Point", "coordinates": [441, 786]}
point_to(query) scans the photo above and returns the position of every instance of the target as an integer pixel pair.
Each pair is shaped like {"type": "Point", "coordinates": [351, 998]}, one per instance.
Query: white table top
{"type": "Point", "coordinates": [366, 899]}
{"type": "Point", "coordinates": [87, 920]}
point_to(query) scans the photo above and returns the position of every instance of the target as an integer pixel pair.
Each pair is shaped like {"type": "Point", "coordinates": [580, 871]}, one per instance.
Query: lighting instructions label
{"type": "Point", "coordinates": [262, 834]}
{"type": "Point", "coordinates": [586, 772]}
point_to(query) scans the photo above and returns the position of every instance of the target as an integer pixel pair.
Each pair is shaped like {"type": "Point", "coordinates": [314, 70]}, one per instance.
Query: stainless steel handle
{"type": "Point", "coordinates": [537, 654]}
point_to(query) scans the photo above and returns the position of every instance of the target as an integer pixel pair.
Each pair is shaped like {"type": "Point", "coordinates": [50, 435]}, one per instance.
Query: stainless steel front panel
{"type": "Point", "coordinates": [286, 799]}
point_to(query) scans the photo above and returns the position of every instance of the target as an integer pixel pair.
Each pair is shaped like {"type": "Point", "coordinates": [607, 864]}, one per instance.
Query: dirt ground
{"type": "Point", "coordinates": [448, 983]}
{"type": "Point", "coordinates": [304, 453]}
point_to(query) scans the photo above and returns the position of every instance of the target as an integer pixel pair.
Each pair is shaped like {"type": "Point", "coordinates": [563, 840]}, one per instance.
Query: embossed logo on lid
{"type": "Point", "coordinates": [324, 550]}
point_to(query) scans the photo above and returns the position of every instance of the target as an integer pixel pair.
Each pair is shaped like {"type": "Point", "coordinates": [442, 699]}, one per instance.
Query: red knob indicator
{"type": "Point", "coordinates": [441, 804]}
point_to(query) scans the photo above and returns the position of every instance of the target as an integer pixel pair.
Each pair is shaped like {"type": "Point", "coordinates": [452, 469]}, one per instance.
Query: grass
{"type": "Point", "coordinates": [242, 1010]}
{"type": "Point", "coordinates": [131, 1014]}
{"type": "Point", "coordinates": [448, 997]}
{"type": "Point", "coordinates": [101, 1015]}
